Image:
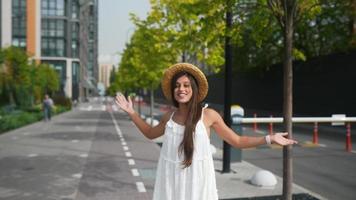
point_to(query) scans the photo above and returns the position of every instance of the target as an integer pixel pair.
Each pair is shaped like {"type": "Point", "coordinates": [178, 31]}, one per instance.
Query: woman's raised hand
{"type": "Point", "coordinates": [279, 138]}
{"type": "Point", "coordinates": [124, 104]}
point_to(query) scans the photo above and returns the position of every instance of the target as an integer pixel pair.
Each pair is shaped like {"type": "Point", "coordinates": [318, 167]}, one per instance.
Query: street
{"type": "Point", "coordinates": [90, 153]}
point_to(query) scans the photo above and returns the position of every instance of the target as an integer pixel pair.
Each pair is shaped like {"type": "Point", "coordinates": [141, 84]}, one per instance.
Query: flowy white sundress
{"type": "Point", "coordinates": [196, 182]}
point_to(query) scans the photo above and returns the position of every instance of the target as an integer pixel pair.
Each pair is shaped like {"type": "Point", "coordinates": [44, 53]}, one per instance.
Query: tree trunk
{"type": "Point", "coordinates": [139, 102]}
{"type": "Point", "coordinates": [151, 107]}
{"type": "Point", "coordinates": [288, 101]}
{"type": "Point", "coordinates": [353, 22]}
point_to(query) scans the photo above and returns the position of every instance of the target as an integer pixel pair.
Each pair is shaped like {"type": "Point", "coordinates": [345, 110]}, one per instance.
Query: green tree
{"type": "Point", "coordinates": [15, 75]}
{"type": "Point", "coordinates": [46, 80]}
{"type": "Point", "coordinates": [287, 13]}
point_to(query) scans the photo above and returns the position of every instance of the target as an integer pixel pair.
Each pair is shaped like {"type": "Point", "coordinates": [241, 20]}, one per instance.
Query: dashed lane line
{"type": "Point", "coordinates": [131, 161]}
{"type": "Point", "coordinates": [140, 187]}
{"type": "Point", "coordinates": [135, 172]}
{"type": "Point", "coordinates": [128, 154]}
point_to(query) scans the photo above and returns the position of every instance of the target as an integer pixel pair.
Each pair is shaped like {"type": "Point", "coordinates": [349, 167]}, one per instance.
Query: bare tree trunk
{"type": "Point", "coordinates": [151, 107]}
{"type": "Point", "coordinates": [139, 102]}
{"type": "Point", "coordinates": [353, 22]}
{"type": "Point", "coordinates": [288, 100]}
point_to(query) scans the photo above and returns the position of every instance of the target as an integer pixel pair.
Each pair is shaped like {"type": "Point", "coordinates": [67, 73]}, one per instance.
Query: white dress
{"type": "Point", "coordinates": [196, 182]}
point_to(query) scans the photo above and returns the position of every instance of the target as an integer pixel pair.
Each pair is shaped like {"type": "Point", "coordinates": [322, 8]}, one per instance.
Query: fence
{"type": "Point", "coordinates": [316, 120]}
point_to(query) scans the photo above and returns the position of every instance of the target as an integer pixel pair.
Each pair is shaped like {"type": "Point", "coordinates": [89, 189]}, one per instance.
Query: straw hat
{"type": "Point", "coordinates": [191, 69]}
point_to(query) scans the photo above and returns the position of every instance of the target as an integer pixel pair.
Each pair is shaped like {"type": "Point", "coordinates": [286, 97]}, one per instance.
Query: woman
{"type": "Point", "coordinates": [185, 168]}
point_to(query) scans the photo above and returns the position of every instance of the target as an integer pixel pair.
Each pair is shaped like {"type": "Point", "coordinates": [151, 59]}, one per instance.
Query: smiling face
{"type": "Point", "coordinates": [183, 90]}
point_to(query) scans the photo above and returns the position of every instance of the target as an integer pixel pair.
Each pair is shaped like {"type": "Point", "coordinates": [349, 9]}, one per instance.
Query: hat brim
{"type": "Point", "coordinates": [191, 69]}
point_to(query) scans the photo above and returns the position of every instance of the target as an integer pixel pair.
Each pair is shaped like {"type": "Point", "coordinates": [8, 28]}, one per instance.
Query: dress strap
{"type": "Point", "coordinates": [172, 115]}
{"type": "Point", "coordinates": [202, 111]}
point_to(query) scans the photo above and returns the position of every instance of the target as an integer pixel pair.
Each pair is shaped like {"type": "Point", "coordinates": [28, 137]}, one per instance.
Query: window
{"type": "Point", "coordinates": [53, 37]}
{"type": "Point", "coordinates": [75, 9]}
{"type": "Point", "coordinates": [53, 7]}
{"type": "Point", "coordinates": [19, 27]}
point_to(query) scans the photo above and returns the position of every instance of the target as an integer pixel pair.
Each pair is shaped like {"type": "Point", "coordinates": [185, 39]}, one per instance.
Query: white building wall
{"type": "Point", "coordinates": [6, 22]}
{"type": "Point", "coordinates": [68, 86]}
{"type": "Point", "coordinates": [38, 29]}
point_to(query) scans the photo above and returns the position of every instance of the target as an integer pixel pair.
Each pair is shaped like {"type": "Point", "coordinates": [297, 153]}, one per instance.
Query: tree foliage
{"type": "Point", "coordinates": [22, 80]}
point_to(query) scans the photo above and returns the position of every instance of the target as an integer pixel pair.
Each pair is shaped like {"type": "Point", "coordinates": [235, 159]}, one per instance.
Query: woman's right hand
{"type": "Point", "coordinates": [124, 104]}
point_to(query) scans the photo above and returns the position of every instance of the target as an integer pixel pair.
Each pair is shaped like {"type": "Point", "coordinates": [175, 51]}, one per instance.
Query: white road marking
{"type": "Point", "coordinates": [84, 155]}
{"type": "Point", "coordinates": [353, 151]}
{"type": "Point", "coordinates": [79, 175]}
{"type": "Point", "coordinates": [123, 143]}
{"type": "Point", "coordinates": [135, 172]}
{"type": "Point", "coordinates": [125, 148]}
{"type": "Point", "coordinates": [32, 155]}
{"type": "Point", "coordinates": [131, 161]}
{"type": "Point", "coordinates": [128, 154]}
{"type": "Point", "coordinates": [140, 187]}
{"type": "Point", "coordinates": [75, 141]}
{"type": "Point", "coordinates": [322, 145]}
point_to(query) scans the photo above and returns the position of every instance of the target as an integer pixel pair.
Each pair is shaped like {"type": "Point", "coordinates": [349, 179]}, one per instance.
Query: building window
{"type": "Point", "coordinates": [75, 40]}
{"type": "Point", "coordinates": [53, 28]}
{"type": "Point", "coordinates": [75, 9]}
{"type": "Point", "coordinates": [53, 7]}
{"type": "Point", "coordinates": [53, 37]}
{"type": "Point", "coordinates": [60, 67]}
{"type": "Point", "coordinates": [19, 27]}
{"type": "Point", "coordinates": [75, 72]}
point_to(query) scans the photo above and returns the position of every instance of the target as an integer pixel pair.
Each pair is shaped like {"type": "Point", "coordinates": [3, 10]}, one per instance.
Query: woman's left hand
{"type": "Point", "coordinates": [279, 138]}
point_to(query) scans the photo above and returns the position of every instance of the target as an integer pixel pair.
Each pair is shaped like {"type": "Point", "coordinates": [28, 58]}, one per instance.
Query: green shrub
{"type": "Point", "coordinates": [18, 119]}
{"type": "Point", "coordinates": [12, 119]}
{"type": "Point", "coordinates": [62, 101]}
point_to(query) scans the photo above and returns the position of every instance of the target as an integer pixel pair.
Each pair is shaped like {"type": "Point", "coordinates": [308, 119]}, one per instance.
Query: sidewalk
{"type": "Point", "coordinates": [236, 185]}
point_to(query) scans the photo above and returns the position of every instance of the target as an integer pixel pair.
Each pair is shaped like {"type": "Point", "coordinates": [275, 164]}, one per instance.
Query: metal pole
{"type": "Point", "coordinates": [228, 78]}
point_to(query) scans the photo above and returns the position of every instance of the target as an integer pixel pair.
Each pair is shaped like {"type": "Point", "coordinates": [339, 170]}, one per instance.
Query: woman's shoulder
{"type": "Point", "coordinates": [166, 116]}
{"type": "Point", "coordinates": [211, 114]}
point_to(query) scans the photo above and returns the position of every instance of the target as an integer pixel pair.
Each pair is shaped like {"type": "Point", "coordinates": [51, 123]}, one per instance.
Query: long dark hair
{"type": "Point", "coordinates": [194, 113]}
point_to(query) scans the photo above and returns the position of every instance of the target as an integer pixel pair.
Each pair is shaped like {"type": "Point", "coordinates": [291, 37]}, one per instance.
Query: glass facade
{"type": "Point", "coordinates": [19, 27]}
{"type": "Point", "coordinates": [75, 79]}
{"type": "Point", "coordinates": [53, 7]}
{"type": "Point", "coordinates": [60, 67]}
{"type": "Point", "coordinates": [75, 39]}
{"type": "Point", "coordinates": [75, 9]}
{"type": "Point", "coordinates": [53, 41]}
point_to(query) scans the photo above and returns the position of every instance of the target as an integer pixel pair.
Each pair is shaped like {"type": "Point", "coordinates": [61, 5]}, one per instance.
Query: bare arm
{"type": "Point", "coordinates": [235, 140]}
{"type": "Point", "coordinates": [145, 128]}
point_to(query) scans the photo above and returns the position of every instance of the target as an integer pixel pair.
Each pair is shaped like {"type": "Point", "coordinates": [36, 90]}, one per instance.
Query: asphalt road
{"type": "Point", "coordinates": [326, 169]}
{"type": "Point", "coordinates": [84, 154]}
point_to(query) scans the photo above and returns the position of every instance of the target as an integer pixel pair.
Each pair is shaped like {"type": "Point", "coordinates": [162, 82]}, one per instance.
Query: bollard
{"type": "Point", "coordinates": [255, 124]}
{"type": "Point", "coordinates": [348, 137]}
{"type": "Point", "coordinates": [315, 135]}
{"type": "Point", "coordinates": [271, 127]}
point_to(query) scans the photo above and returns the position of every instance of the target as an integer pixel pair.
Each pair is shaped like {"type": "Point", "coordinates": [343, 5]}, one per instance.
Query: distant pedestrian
{"type": "Point", "coordinates": [47, 107]}
{"type": "Point", "coordinates": [185, 167]}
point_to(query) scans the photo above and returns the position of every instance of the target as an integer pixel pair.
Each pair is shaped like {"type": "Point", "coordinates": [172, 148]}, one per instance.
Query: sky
{"type": "Point", "coordinates": [115, 27]}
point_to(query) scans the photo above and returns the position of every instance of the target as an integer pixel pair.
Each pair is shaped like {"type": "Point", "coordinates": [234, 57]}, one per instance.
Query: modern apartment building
{"type": "Point", "coordinates": [62, 33]}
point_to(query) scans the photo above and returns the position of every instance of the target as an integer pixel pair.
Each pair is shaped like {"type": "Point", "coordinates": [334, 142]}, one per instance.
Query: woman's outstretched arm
{"type": "Point", "coordinates": [227, 134]}
{"type": "Point", "coordinates": [145, 128]}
